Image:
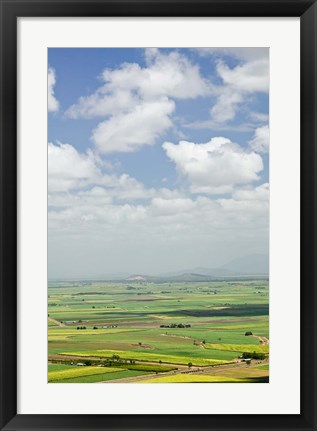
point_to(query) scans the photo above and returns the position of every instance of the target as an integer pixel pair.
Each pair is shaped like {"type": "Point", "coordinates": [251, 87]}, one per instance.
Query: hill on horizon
{"type": "Point", "coordinates": [251, 264]}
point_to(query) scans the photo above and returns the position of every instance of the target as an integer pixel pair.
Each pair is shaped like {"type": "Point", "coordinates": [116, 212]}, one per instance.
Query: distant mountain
{"type": "Point", "coordinates": [191, 276]}
{"type": "Point", "coordinates": [256, 264]}
{"type": "Point", "coordinates": [248, 265]}
{"type": "Point", "coordinates": [200, 270]}
{"type": "Point", "coordinates": [252, 265]}
{"type": "Point", "coordinates": [215, 272]}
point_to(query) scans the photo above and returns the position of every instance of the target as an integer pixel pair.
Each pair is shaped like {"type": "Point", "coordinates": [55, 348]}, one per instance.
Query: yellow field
{"type": "Point", "coordinates": [54, 376]}
{"type": "Point", "coordinates": [248, 348]}
{"type": "Point", "coordinates": [57, 337]}
{"type": "Point", "coordinates": [191, 378]}
{"type": "Point", "coordinates": [90, 331]}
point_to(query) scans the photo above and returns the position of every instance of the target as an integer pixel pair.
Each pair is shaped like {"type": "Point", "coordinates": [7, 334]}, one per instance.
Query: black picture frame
{"type": "Point", "coordinates": [10, 11]}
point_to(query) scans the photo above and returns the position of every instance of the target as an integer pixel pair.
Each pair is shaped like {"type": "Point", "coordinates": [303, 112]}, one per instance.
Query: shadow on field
{"type": "Point", "coordinates": [249, 380]}
{"type": "Point", "coordinates": [231, 310]}
{"type": "Point", "coordinates": [264, 379]}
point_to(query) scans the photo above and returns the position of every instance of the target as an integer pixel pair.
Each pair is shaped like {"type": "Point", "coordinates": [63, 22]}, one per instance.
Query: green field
{"type": "Point", "coordinates": [78, 372]}
{"type": "Point", "coordinates": [135, 329]}
{"type": "Point", "coordinates": [263, 367]}
{"type": "Point", "coordinates": [104, 377]}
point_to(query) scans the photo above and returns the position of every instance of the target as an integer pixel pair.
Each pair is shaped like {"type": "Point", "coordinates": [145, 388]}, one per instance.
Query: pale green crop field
{"type": "Point", "coordinates": [58, 367]}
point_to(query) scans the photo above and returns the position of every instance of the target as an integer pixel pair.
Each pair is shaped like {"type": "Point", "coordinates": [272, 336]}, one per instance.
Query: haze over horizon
{"type": "Point", "coordinates": [157, 159]}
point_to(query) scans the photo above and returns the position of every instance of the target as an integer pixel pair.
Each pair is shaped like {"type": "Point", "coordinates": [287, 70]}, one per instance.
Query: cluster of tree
{"type": "Point", "coordinates": [175, 325]}
{"type": "Point", "coordinates": [198, 343]}
{"type": "Point", "coordinates": [248, 333]}
{"type": "Point", "coordinates": [254, 355]}
{"type": "Point", "coordinates": [81, 327]}
{"type": "Point", "coordinates": [115, 359]}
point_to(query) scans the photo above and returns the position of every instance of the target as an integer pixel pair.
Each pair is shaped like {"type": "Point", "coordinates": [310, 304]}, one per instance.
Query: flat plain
{"type": "Point", "coordinates": [158, 332]}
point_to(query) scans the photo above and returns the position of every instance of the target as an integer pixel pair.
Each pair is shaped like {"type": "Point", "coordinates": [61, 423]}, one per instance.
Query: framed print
{"type": "Point", "coordinates": [158, 250]}
{"type": "Point", "coordinates": [141, 324]}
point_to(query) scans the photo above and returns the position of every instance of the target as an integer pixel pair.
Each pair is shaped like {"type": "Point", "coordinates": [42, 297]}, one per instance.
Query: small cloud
{"type": "Point", "coordinates": [226, 106]}
{"type": "Point", "coordinates": [261, 140]}
{"type": "Point", "coordinates": [259, 117]}
{"type": "Point", "coordinates": [52, 102]}
{"type": "Point", "coordinates": [220, 127]}
{"type": "Point", "coordinates": [245, 54]}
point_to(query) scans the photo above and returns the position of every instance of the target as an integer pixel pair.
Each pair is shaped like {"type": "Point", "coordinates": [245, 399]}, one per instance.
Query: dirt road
{"type": "Point", "coordinates": [263, 340]}
{"type": "Point", "coordinates": [58, 323]}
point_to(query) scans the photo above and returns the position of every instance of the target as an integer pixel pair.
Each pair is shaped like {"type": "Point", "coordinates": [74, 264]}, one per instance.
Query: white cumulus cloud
{"type": "Point", "coordinates": [216, 166]}
{"type": "Point", "coordinates": [171, 75]}
{"type": "Point", "coordinates": [74, 177]}
{"type": "Point", "coordinates": [239, 82]}
{"type": "Point", "coordinates": [68, 169]}
{"type": "Point", "coordinates": [252, 76]}
{"type": "Point", "coordinates": [128, 132]}
{"type": "Point", "coordinates": [137, 102]}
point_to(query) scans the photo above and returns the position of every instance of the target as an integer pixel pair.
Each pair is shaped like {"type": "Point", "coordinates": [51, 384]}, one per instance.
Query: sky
{"type": "Point", "coordinates": [158, 159]}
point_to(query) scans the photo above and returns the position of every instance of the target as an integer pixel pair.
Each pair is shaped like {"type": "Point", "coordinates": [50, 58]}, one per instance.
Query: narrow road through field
{"type": "Point", "coordinates": [263, 340]}
{"type": "Point", "coordinates": [58, 323]}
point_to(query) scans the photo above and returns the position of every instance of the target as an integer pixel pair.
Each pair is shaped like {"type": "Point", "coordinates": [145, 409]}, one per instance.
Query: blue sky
{"type": "Point", "coordinates": [153, 153]}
